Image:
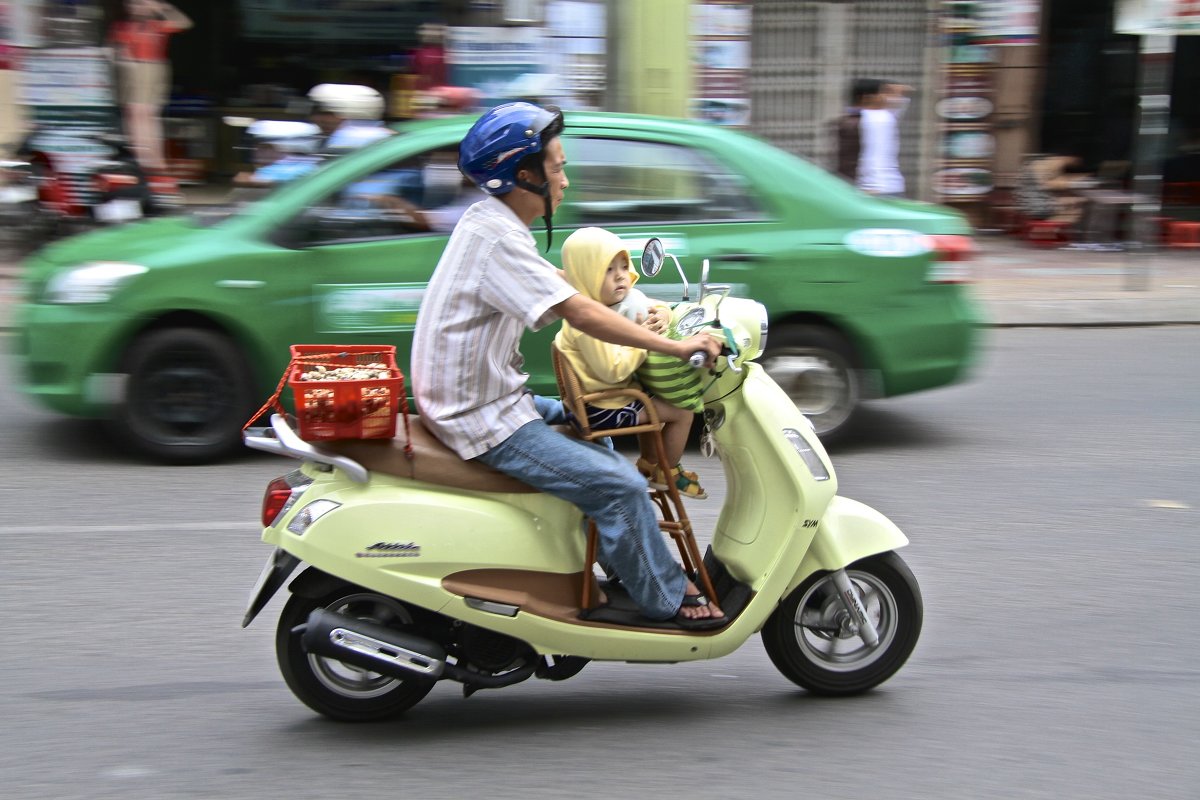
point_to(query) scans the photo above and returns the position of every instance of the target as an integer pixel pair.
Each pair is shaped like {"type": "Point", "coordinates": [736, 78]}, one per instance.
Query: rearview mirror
{"type": "Point", "coordinates": [653, 256]}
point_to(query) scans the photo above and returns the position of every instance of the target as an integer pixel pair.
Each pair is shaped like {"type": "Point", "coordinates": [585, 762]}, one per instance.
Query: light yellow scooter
{"type": "Point", "coordinates": [431, 568]}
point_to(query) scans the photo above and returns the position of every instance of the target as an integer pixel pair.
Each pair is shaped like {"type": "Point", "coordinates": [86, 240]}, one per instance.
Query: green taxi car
{"type": "Point", "coordinates": [175, 330]}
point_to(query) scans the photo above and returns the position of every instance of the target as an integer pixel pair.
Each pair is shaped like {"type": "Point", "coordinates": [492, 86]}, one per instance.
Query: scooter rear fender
{"type": "Point", "coordinates": [847, 532]}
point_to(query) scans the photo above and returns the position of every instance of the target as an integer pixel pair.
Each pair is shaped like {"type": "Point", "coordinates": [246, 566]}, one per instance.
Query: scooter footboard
{"type": "Point", "coordinates": [848, 531]}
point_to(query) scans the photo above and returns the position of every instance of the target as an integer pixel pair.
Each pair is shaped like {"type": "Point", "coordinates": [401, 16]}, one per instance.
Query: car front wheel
{"type": "Point", "coordinates": [816, 367]}
{"type": "Point", "coordinates": [188, 394]}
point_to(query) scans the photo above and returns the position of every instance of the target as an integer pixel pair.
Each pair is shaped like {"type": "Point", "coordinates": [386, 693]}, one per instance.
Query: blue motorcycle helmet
{"type": "Point", "coordinates": [505, 140]}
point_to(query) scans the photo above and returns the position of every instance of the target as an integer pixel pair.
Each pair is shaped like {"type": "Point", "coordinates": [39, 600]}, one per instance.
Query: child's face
{"type": "Point", "coordinates": [616, 281]}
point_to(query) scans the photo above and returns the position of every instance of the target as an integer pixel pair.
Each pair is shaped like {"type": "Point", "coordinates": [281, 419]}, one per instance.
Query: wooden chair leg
{"type": "Point", "coordinates": [588, 560]}
{"type": "Point", "coordinates": [689, 552]}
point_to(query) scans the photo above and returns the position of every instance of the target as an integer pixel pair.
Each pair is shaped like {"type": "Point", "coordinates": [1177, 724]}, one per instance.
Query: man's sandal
{"type": "Point", "coordinates": [700, 623]}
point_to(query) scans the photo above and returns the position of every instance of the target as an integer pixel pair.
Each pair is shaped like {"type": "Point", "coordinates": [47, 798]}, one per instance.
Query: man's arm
{"type": "Point", "coordinates": [600, 321]}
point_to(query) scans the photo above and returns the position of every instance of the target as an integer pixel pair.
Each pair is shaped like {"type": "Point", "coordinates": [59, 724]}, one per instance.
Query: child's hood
{"type": "Point", "coordinates": [586, 255]}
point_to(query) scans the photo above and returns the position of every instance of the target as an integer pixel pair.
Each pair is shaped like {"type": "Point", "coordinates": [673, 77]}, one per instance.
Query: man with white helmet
{"type": "Point", "coordinates": [489, 286]}
{"type": "Point", "coordinates": [348, 115]}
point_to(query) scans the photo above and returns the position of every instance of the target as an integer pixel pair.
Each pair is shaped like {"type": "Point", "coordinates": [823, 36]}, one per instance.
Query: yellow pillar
{"type": "Point", "coordinates": [650, 65]}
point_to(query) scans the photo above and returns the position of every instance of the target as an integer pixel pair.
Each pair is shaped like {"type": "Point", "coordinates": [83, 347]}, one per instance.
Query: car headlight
{"type": "Point", "coordinates": [90, 283]}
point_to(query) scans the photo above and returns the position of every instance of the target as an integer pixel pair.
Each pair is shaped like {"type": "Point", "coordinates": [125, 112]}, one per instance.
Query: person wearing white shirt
{"type": "Point", "coordinates": [879, 126]}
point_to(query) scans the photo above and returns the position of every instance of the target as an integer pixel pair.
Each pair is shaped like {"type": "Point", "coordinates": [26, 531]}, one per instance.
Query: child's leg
{"type": "Point", "coordinates": [677, 424]}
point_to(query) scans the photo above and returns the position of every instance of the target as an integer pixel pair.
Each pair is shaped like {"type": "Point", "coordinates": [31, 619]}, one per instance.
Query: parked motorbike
{"type": "Point", "coordinates": [429, 568]}
{"type": "Point", "coordinates": [19, 212]}
{"type": "Point", "coordinates": [84, 179]}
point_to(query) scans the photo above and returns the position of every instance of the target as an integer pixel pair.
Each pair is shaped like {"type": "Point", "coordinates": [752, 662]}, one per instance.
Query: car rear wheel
{"type": "Point", "coordinates": [816, 366]}
{"type": "Point", "coordinates": [188, 394]}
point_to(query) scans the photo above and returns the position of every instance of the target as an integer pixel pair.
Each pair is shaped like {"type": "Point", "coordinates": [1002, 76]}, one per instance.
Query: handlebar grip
{"type": "Point", "coordinates": [698, 358]}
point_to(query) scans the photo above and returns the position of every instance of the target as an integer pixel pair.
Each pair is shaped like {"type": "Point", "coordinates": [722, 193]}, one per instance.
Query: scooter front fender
{"type": "Point", "coordinates": [848, 531]}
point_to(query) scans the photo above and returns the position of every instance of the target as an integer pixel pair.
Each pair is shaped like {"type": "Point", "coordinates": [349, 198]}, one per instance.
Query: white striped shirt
{"type": "Point", "coordinates": [489, 286]}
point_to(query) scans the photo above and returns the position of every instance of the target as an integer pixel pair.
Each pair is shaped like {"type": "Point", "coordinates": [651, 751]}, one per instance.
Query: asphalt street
{"type": "Point", "coordinates": [1052, 506]}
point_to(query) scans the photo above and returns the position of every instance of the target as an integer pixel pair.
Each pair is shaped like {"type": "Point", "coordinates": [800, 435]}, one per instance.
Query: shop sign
{"type": "Point", "coordinates": [19, 20]}
{"type": "Point", "coordinates": [490, 59]}
{"type": "Point", "coordinates": [963, 183]}
{"type": "Point", "coordinates": [1161, 17]}
{"type": "Point", "coordinates": [966, 108]}
{"type": "Point", "coordinates": [1009, 22]}
{"type": "Point", "coordinates": [68, 89]}
{"type": "Point", "coordinates": [329, 20]}
{"type": "Point", "coordinates": [968, 145]}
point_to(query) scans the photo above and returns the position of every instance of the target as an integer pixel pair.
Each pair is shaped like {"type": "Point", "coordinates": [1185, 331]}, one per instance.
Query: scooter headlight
{"type": "Point", "coordinates": [809, 456]}
{"type": "Point", "coordinates": [310, 514]}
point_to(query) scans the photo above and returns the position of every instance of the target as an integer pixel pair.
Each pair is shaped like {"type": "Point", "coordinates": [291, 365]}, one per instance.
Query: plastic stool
{"type": "Point", "coordinates": [1183, 234]}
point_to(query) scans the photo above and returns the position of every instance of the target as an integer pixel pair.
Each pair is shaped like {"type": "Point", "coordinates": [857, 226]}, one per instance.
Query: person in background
{"type": "Point", "coordinates": [139, 40]}
{"type": "Point", "coordinates": [429, 58]}
{"type": "Point", "coordinates": [847, 133]}
{"type": "Point", "coordinates": [348, 114]}
{"type": "Point", "coordinates": [1047, 188]}
{"type": "Point", "coordinates": [879, 131]}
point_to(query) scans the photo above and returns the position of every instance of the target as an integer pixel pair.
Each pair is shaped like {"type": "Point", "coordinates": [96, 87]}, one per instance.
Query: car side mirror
{"type": "Point", "coordinates": [295, 234]}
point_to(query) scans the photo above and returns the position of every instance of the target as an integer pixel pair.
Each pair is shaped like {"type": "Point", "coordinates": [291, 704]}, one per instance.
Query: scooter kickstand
{"type": "Point", "coordinates": [848, 593]}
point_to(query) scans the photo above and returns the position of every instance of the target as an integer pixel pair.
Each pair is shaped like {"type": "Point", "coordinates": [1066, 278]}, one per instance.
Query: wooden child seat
{"type": "Point", "coordinates": [670, 504]}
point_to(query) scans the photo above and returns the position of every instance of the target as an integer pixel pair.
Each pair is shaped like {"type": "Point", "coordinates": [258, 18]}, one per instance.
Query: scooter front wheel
{"type": "Point", "coordinates": [338, 690]}
{"type": "Point", "coordinates": [812, 641]}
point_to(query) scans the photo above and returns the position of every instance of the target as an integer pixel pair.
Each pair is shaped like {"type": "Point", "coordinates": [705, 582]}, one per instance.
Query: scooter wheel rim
{"type": "Point", "coordinates": [820, 611]}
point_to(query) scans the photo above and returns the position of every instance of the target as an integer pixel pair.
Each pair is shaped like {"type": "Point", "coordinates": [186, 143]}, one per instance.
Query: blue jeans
{"type": "Point", "coordinates": [610, 490]}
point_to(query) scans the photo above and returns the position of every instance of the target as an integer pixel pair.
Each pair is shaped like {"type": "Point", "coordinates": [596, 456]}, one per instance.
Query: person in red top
{"type": "Point", "coordinates": [429, 59]}
{"type": "Point", "coordinates": [144, 73]}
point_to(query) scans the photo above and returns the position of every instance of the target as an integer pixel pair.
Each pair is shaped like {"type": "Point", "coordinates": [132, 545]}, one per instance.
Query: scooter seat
{"type": "Point", "coordinates": [431, 462]}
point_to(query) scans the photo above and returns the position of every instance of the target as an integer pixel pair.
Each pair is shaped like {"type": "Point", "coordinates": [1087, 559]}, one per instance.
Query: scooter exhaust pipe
{"type": "Point", "coordinates": [371, 646]}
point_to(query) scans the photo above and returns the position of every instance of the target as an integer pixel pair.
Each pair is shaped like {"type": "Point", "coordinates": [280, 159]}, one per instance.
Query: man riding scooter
{"type": "Point", "coordinates": [489, 286]}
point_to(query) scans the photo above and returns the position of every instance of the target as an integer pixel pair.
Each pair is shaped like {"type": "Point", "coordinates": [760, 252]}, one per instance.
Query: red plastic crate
{"type": "Point", "coordinates": [345, 409]}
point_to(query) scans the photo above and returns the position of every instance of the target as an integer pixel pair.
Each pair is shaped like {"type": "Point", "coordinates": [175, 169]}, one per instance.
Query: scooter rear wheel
{"type": "Point", "coordinates": [338, 690]}
{"type": "Point", "coordinates": [809, 640]}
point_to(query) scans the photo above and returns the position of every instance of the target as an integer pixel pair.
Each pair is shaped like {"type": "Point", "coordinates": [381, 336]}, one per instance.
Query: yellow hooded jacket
{"type": "Point", "coordinates": [586, 255]}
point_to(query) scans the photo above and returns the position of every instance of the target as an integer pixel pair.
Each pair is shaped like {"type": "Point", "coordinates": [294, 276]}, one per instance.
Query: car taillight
{"type": "Point", "coordinates": [950, 252]}
{"type": "Point", "coordinates": [281, 494]}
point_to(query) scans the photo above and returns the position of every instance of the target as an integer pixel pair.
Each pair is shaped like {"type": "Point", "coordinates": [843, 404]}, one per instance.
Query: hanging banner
{"type": "Point", "coordinates": [721, 47]}
{"type": "Point", "coordinates": [1158, 17]}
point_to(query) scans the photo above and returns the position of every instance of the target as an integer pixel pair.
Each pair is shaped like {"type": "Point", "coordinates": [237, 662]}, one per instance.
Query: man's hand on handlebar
{"type": "Point", "coordinates": [700, 343]}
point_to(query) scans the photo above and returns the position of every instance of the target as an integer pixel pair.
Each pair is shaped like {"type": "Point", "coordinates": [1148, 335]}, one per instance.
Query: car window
{"type": "Point", "coordinates": [423, 194]}
{"type": "Point", "coordinates": [617, 181]}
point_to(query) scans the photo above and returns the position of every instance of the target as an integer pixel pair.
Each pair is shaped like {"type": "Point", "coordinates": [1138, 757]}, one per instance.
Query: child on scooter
{"type": "Point", "coordinates": [597, 263]}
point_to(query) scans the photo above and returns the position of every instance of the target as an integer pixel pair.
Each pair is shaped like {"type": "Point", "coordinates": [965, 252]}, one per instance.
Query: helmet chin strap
{"type": "Point", "coordinates": [544, 191]}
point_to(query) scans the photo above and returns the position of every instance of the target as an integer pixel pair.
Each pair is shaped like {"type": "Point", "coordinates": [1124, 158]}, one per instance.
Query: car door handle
{"type": "Point", "coordinates": [740, 258]}
{"type": "Point", "coordinates": [230, 284]}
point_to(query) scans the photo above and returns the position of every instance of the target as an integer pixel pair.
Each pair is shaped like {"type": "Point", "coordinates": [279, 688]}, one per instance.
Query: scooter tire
{"type": "Point", "coordinates": [336, 690]}
{"type": "Point", "coordinates": [810, 655]}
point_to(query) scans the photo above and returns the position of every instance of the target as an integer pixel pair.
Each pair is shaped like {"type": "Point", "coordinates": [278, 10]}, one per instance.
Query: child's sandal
{"type": "Point", "coordinates": [686, 482]}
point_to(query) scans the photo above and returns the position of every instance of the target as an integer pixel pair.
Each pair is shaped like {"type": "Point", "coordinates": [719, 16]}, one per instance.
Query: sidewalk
{"type": "Point", "coordinates": [1017, 284]}
{"type": "Point", "coordinates": [1014, 283]}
